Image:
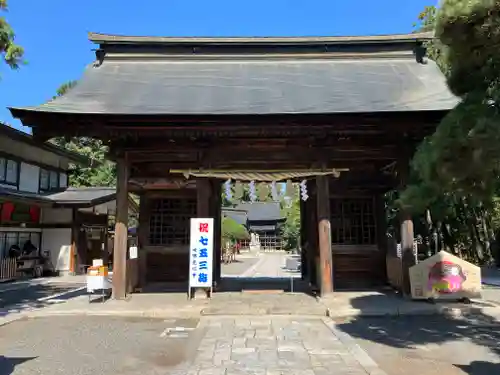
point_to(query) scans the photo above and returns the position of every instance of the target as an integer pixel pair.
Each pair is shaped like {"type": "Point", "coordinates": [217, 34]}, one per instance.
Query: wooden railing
{"type": "Point", "coordinates": [8, 268]}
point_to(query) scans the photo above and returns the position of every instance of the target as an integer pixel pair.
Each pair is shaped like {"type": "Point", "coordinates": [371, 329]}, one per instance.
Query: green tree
{"type": "Point", "coordinates": [11, 52]}
{"type": "Point", "coordinates": [463, 154]}
{"type": "Point", "coordinates": [454, 187]}
{"type": "Point", "coordinates": [290, 210]}
{"type": "Point", "coordinates": [435, 49]}
{"type": "Point", "coordinates": [232, 231]}
{"type": "Point", "coordinates": [100, 171]}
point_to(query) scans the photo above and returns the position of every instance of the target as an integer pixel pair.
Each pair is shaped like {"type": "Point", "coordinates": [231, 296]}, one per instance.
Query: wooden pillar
{"type": "Point", "coordinates": [324, 235]}
{"type": "Point", "coordinates": [203, 192]}
{"type": "Point", "coordinates": [216, 204]}
{"type": "Point", "coordinates": [408, 257]}
{"type": "Point", "coordinates": [304, 259]}
{"type": "Point", "coordinates": [74, 237]}
{"type": "Point", "coordinates": [381, 233]}
{"type": "Point", "coordinates": [312, 233]}
{"type": "Point", "coordinates": [142, 233]}
{"type": "Point", "coordinates": [121, 231]}
{"type": "Point", "coordinates": [105, 255]}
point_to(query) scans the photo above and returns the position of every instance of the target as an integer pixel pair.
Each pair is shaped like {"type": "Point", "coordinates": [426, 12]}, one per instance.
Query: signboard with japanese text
{"type": "Point", "coordinates": [201, 253]}
{"type": "Point", "coordinates": [445, 276]}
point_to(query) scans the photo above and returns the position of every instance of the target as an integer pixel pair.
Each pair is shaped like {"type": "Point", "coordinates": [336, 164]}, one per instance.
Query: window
{"type": "Point", "coordinates": [49, 180]}
{"type": "Point", "coordinates": [11, 174]}
{"type": "Point", "coordinates": [3, 163]}
{"type": "Point", "coordinates": [54, 180]}
{"type": "Point", "coordinates": [63, 180]}
{"type": "Point", "coordinates": [44, 179]}
{"type": "Point", "coordinates": [353, 221]}
{"type": "Point", "coordinates": [7, 239]}
{"type": "Point", "coordinates": [170, 221]}
{"type": "Point", "coordinates": [9, 171]}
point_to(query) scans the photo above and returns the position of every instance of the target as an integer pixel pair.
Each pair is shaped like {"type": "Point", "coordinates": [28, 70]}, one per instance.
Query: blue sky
{"type": "Point", "coordinates": [54, 32]}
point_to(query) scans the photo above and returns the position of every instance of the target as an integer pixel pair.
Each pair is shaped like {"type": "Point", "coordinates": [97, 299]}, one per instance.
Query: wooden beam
{"type": "Point", "coordinates": [115, 127]}
{"type": "Point", "coordinates": [149, 170]}
{"type": "Point", "coordinates": [279, 154]}
{"type": "Point", "coordinates": [324, 235]}
{"type": "Point", "coordinates": [121, 231]}
{"type": "Point", "coordinates": [156, 144]}
{"type": "Point", "coordinates": [60, 120]}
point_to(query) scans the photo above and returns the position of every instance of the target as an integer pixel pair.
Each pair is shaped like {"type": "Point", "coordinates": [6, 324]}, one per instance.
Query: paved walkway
{"type": "Point", "coordinates": [272, 346]}
{"type": "Point", "coordinates": [429, 345]}
{"type": "Point", "coordinates": [271, 265]}
{"type": "Point", "coordinates": [259, 265]}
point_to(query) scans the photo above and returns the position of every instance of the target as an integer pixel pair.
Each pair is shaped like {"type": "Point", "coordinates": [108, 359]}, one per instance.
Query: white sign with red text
{"type": "Point", "coordinates": [201, 253]}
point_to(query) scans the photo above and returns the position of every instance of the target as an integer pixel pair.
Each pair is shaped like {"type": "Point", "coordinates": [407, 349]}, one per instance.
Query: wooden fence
{"type": "Point", "coordinates": [8, 268]}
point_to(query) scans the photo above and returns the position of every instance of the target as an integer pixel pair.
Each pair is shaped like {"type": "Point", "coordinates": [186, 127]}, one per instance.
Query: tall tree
{"type": "Point", "coordinates": [100, 172]}
{"type": "Point", "coordinates": [11, 52]}
{"type": "Point", "coordinates": [455, 184]}
{"type": "Point", "coordinates": [435, 49]}
{"type": "Point", "coordinates": [464, 153]}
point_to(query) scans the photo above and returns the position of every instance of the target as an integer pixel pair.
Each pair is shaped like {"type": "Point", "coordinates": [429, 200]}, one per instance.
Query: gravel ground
{"type": "Point", "coordinates": [429, 345]}
{"type": "Point", "coordinates": [96, 345]}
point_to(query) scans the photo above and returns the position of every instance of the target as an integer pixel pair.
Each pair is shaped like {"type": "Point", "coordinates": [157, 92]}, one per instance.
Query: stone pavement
{"type": "Point", "coordinates": [275, 346]}
{"type": "Point", "coordinates": [73, 345]}
{"type": "Point", "coordinates": [429, 345]}
{"type": "Point", "coordinates": [339, 306]}
{"type": "Point", "coordinates": [241, 265]}
{"type": "Point", "coordinates": [264, 302]}
{"type": "Point", "coordinates": [271, 265]}
{"type": "Point", "coordinates": [387, 303]}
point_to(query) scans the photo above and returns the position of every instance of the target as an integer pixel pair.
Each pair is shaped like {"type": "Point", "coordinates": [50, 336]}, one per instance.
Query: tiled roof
{"type": "Point", "coordinates": [256, 76]}
{"type": "Point", "coordinates": [72, 196]}
{"type": "Point", "coordinates": [261, 210]}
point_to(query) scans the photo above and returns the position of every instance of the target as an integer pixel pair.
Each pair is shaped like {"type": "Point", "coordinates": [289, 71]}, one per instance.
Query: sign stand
{"type": "Point", "coordinates": [291, 265]}
{"type": "Point", "coordinates": [201, 256]}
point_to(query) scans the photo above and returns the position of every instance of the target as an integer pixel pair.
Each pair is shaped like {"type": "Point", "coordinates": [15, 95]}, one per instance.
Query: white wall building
{"type": "Point", "coordinates": [68, 225]}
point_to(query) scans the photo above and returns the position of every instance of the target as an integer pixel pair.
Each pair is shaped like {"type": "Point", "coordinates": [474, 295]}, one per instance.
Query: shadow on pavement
{"type": "Point", "coordinates": [480, 368]}
{"type": "Point", "coordinates": [33, 297]}
{"type": "Point", "coordinates": [8, 364]}
{"type": "Point", "coordinates": [240, 284]}
{"type": "Point", "coordinates": [411, 332]}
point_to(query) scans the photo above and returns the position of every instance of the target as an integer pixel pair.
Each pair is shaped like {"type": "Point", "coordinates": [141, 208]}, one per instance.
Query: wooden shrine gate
{"type": "Point", "coordinates": [359, 105]}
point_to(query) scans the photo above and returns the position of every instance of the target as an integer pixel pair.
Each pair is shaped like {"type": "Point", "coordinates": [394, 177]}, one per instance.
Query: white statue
{"type": "Point", "coordinates": [254, 242]}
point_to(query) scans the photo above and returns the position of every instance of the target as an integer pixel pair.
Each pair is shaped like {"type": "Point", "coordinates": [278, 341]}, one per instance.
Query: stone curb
{"type": "Point", "coordinates": [360, 355]}
{"type": "Point", "coordinates": [329, 313]}
{"type": "Point", "coordinates": [266, 312]}
{"type": "Point", "coordinates": [454, 312]}
{"type": "Point", "coordinates": [127, 313]}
